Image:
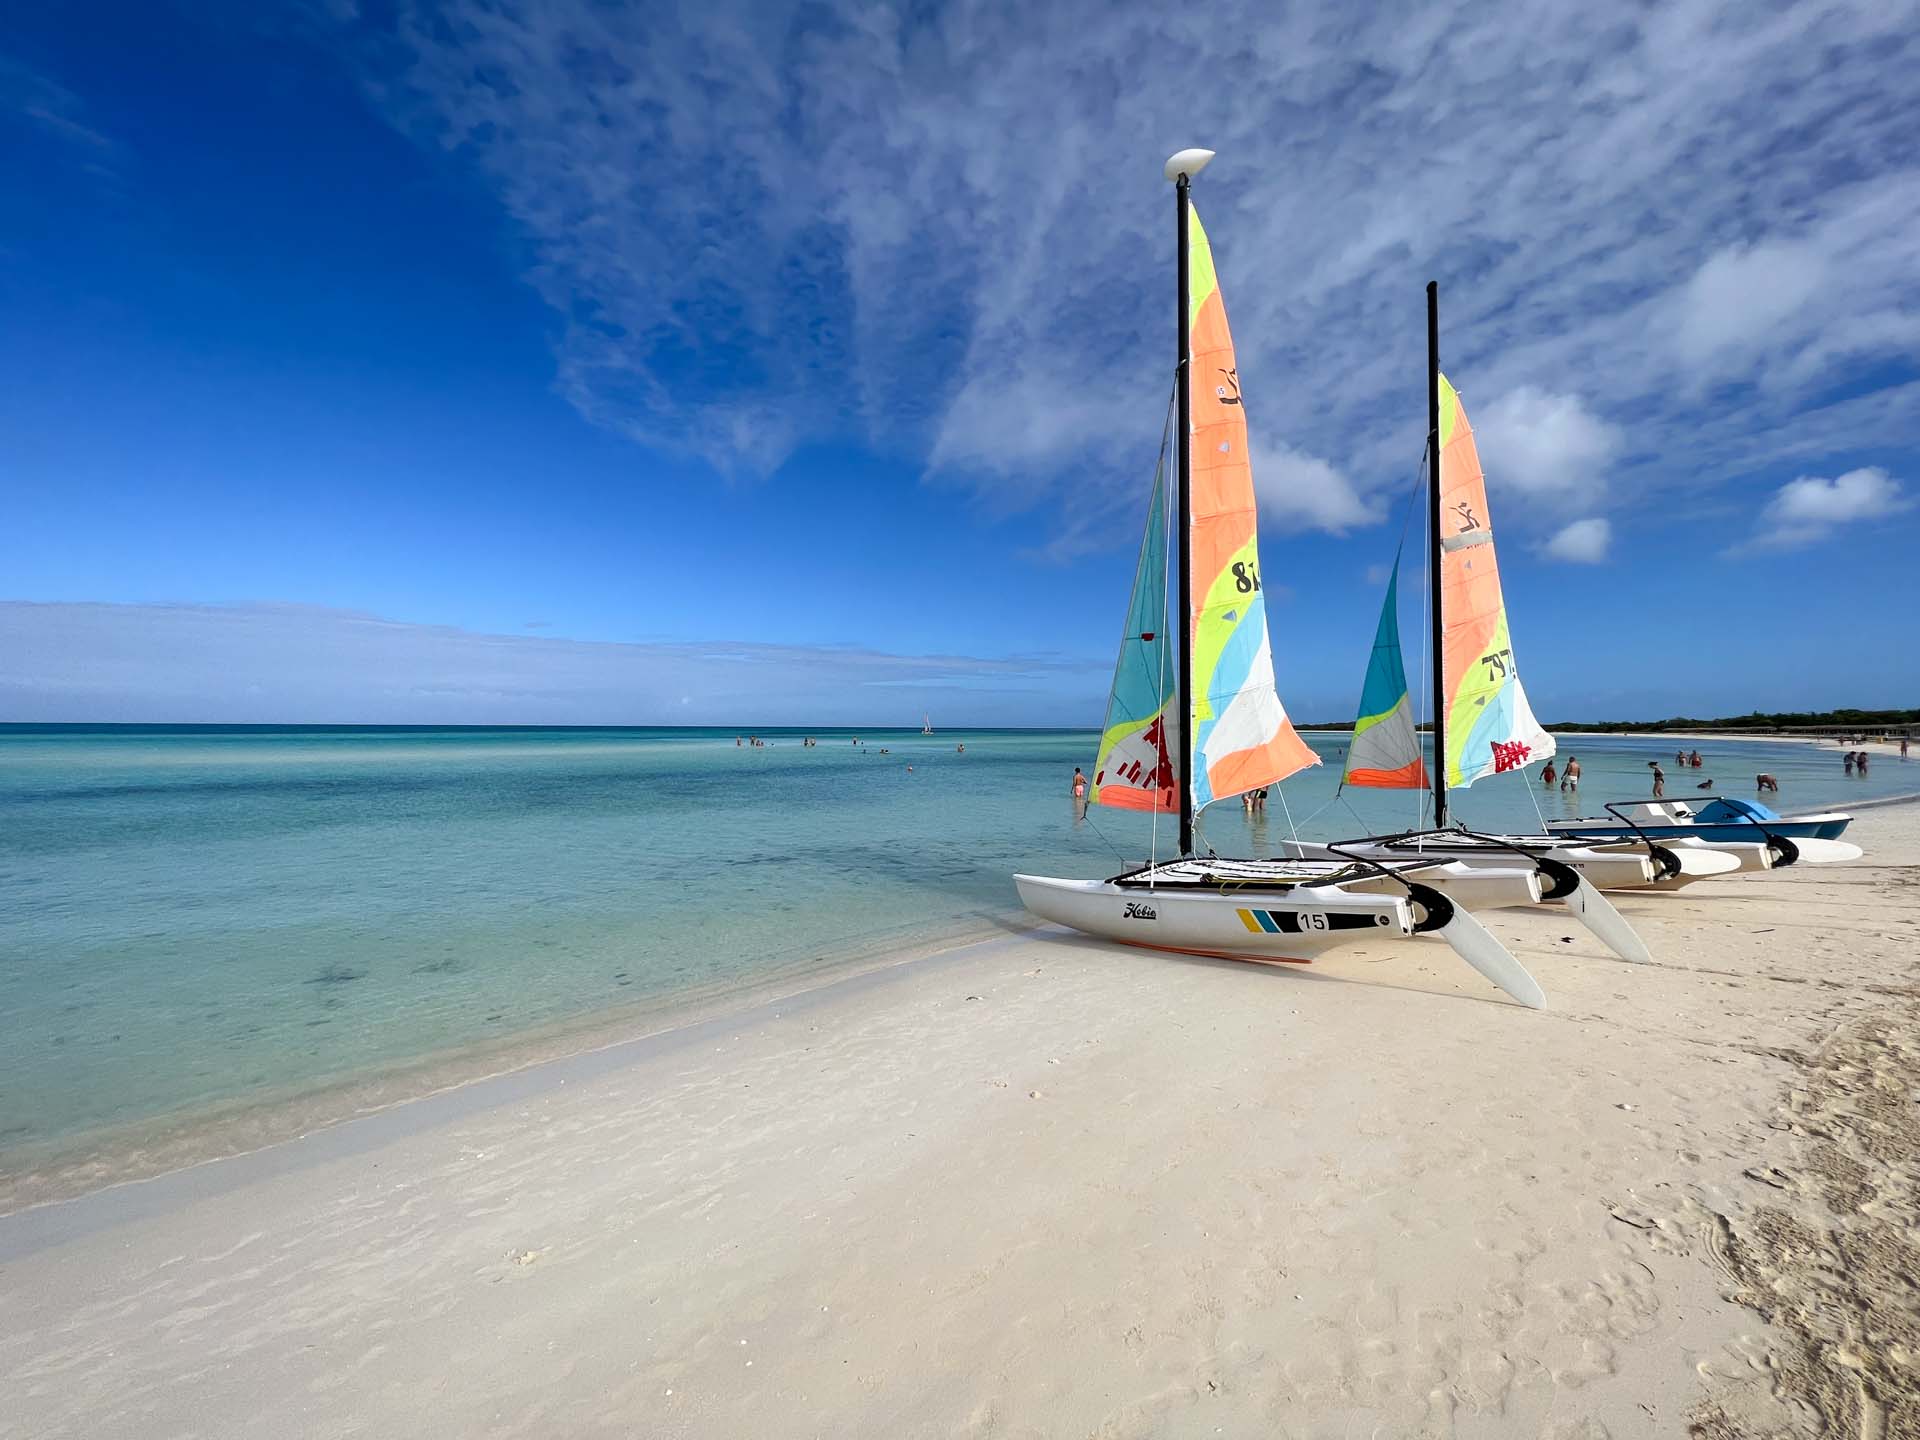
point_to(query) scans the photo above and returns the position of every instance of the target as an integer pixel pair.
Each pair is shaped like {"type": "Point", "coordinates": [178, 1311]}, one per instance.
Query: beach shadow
{"type": "Point", "coordinates": [1300, 971]}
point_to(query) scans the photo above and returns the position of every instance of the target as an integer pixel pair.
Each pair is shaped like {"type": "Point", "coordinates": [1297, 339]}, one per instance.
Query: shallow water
{"type": "Point", "coordinates": [192, 917]}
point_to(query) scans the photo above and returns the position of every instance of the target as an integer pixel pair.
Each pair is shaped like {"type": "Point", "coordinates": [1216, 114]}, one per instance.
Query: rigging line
{"type": "Point", "coordinates": [1540, 814]}
{"type": "Point", "coordinates": [1321, 811]}
{"type": "Point", "coordinates": [1287, 810]}
{"type": "Point", "coordinates": [1160, 686]}
{"type": "Point", "coordinates": [1088, 817]}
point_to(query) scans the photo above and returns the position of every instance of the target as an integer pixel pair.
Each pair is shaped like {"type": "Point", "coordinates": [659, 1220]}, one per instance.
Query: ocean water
{"type": "Point", "coordinates": [192, 918]}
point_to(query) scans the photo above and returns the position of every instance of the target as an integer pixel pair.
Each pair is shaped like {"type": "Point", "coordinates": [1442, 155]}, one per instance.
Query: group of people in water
{"type": "Point", "coordinates": [807, 742]}
{"type": "Point", "coordinates": [1857, 760]}
{"type": "Point", "coordinates": [1569, 778]}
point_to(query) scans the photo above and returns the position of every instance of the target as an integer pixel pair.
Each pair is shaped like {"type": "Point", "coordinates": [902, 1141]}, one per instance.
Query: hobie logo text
{"type": "Point", "coordinates": [1141, 912]}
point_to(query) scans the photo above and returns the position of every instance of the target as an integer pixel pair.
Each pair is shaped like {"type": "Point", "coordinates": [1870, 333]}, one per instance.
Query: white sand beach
{"type": "Point", "coordinates": [1043, 1187]}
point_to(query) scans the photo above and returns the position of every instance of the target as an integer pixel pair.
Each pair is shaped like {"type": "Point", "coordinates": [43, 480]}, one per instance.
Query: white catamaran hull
{"type": "Point", "coordinates": [1603, 869]}
{"type": "Point", "coordinates": [1292, 925]}
{"type": "Point", "coordinates": [1219, 908]}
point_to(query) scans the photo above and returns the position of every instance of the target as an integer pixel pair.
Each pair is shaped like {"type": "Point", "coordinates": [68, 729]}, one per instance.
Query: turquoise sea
{"type": "Point", "coordinates": [195, 918]}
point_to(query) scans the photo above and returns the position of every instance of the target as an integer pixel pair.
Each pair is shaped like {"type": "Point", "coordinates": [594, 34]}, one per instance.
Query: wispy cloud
{"type": "Point", "coordinates": [941, 230]}
{"type": "Point", "coordinates": [1808, 510]}
{"type": "Point", "coordinates": [1581, 542]}
{"type": "Point", "coordinates": [1545, 448]}
{"type": "Point", "coordinates": [280, 662]}
{"type": "Point", "coordinates": [55, 112]}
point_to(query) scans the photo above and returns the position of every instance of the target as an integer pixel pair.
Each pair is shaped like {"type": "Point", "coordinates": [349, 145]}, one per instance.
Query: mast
{"type": "Point", "coordinates": [1433, 555]}
{"type": "Point", "coordinates": [1181, 169]}
{"type": "Point", "coordinates": [1183, 505]}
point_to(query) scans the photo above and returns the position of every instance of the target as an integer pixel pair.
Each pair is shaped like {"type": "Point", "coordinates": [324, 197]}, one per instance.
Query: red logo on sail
{"type": "Point", "coordinates": [1509, 755]}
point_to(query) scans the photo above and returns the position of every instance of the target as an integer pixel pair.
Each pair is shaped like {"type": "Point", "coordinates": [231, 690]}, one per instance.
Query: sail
{"type": "Point", "coordinates": [1385, 753]}
{"type": "Point", "coordinates": [1133, 769]}
{"type": "Point", "coordinates": [1490, 726]}
{"type": "Point", "coordinates": [1240, 738]}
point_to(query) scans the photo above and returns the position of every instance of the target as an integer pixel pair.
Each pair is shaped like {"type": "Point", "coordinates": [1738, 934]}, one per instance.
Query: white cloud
{"type": "Point", "coordinates": [1808, 510]}
{"type": "Point", "coordinates": [942, 231]}
{"type": "Point", "coordinates": [1581, 542]}
{"type": "Point", "coordinates": [1543, 445]}
{"type": "Point", "coordinates": [1741, 294]}
{"type": "Point", "coordinates": [276, 663]}
{"type": "Point", "coordinates": [1298, 491]}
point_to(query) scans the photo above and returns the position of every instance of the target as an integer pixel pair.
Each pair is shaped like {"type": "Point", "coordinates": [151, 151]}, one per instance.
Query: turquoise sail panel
{"type": "Point", "coordinates": [1134, 769]}
{"type": "Point", "coordinates": [1385, 753]}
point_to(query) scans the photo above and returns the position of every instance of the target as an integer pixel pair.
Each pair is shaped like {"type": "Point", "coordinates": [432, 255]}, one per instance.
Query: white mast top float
{"type": "Point", "coordinates": [1188, 163]}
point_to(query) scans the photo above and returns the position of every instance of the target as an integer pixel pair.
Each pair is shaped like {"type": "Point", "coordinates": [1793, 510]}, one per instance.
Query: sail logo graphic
{"type": "Point", "coordinates": [1509, 755]}
{"type": "Point", "coordinates": [1141, 912]}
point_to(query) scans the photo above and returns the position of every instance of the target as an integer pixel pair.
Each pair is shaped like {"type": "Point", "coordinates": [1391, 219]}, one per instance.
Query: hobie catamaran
{"type": "Point", "coordinates": [1482, 723]}
{"type": "Point", "coordinates": [1204, 722]}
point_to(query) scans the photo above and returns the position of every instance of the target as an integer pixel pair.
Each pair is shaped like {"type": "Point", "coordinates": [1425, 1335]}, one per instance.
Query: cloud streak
{"type": "Point", "coordinates": [272, 663]}
{"type": "Point", "coordinates": [941, 232]}
{"type": "Point", "coordinates": [1810, 509]}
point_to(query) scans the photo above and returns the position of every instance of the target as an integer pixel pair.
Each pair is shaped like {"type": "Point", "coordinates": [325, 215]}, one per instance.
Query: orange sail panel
{"type": "Point", "coordinates": [1490, 726]}
{"type": "Point", "coordinates": [1240, 737]}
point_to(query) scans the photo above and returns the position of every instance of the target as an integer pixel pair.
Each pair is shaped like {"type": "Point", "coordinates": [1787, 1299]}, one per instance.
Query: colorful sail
{"type": "Point", "coordinates": [1385, 753]}
{"type": "Point", "coordinates": [1490, 726]}
{"type": "Point", "coordinates": [1240, 737]}
{"type": "Point", "coordinates": [1134, 768]}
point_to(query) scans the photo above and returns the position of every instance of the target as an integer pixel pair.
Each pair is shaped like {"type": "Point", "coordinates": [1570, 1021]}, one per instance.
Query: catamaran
{"type": "Point", "coordinates": [1482, 722]}
{"type": "Point", "coordinates": [1200, 720]}
{"type": "Point", "coordinates": [1722, 821]}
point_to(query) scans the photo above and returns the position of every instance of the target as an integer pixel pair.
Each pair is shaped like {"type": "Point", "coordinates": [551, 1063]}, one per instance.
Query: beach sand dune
{"type": "Point", "coordinates": [1042, 1187]}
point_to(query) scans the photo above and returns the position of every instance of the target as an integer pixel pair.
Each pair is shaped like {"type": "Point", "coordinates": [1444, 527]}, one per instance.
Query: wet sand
{"type": "Point", "coordinates": [1038, 1186]}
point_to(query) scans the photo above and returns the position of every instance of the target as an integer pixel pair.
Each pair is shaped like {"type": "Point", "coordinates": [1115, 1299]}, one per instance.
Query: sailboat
{"type": "Point", "coordinates": [1482, 722]}
{"type": "Point", "coordinates": [926, 724]}
{"type": "Point", "coordinates": [1194, 715]}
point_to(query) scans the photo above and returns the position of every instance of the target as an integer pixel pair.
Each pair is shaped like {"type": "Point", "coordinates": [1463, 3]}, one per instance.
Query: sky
{"type": "Point", "coordinates": [730, 364]}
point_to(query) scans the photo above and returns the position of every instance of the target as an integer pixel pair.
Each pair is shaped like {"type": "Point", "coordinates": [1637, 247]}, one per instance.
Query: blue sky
{"type": "Point", "coordinates": [747, 364]}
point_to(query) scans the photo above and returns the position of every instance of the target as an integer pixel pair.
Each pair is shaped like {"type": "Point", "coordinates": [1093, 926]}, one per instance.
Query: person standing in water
{"type": "Point", "coordinates": [1570, 777]}
{"type": "Point", "coordinates": [1659, 779]}
{"type": "Point", "coordinates": [1547, 776]}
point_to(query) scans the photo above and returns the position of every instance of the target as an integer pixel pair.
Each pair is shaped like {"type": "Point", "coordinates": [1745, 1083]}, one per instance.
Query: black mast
{"type": "Point", "coordinates": [1183, 504]}
{"type": "Point", "coordinates": [1433, 554]}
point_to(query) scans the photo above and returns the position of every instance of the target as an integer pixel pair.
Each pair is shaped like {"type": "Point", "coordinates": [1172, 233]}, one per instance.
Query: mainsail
{"type": "Point", "coordinates": [1133, 770]}
{"type": "Point", "coordinates": [1239, 737]}
{"type": "Point", "coordinates": [1490, 727]}
{"type": "Point", "coordinates": [1385, 752]}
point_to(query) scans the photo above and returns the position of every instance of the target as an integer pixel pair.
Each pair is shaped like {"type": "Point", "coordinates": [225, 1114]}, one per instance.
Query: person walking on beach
{"type": "Point", "coordinates": [1570, 777]}
{"type": "Point", "coordinates": [1659, 779]}
{"type": "Point", "coordinates": [1903, 747]}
